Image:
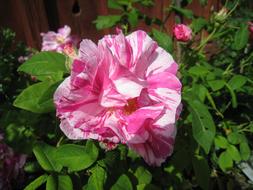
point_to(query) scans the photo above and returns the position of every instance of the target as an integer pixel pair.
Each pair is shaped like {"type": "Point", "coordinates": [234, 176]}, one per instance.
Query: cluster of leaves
{"type": "Point", "coordinates": [214, 131]}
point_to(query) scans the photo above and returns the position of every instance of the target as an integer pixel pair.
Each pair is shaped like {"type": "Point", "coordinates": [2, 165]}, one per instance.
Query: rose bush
{"type": "Point", "coordinates": [123, 90]}
{"type": "Point", "coordinates": [125, 93]}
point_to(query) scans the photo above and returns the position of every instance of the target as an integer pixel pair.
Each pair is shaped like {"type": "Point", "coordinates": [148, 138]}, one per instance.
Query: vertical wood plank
{"type": "Point", "coordinates": [81, 22]}
{"type": "Point", "coordinates": [35, 19]}
{"type": "Point", "coordinates": [29, 17]}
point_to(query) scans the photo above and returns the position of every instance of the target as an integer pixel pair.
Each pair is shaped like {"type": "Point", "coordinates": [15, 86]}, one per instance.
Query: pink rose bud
{"type": "Point", "coordinates": [250, 28]}
{"type": "Point", "coordinates": [182, 32]}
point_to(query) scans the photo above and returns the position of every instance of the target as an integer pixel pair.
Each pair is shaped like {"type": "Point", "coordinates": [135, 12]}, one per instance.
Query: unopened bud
{"type": "Point", "coordinates": [221, 16]}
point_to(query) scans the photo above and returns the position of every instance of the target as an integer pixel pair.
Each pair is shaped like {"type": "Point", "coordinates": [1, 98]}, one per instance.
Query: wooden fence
{"type": "Point", "coordinates": [28, 18]}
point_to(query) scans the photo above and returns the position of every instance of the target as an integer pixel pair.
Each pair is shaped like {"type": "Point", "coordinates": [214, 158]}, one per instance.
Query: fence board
{"type": "Point", "coordinates": [29, 18]}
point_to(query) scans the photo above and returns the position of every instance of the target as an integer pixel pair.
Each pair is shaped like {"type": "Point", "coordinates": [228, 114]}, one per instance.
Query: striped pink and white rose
{"type": "Point", "coordinates": [123, 90]}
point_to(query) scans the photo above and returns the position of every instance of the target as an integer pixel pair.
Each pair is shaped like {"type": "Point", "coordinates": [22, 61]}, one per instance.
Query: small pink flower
{"type": "Point", "coordinates": [250, 28]}
{"type": "Point", "coordinates": [123, 90]}
{"type": "Point", "coordinates": [52, 41]}
{"type": "Point", "coordinates": [182, 32]}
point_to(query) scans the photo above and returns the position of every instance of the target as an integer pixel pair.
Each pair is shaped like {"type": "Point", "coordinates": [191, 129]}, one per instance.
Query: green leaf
{"type": "Point", "coordinates": [37, 98]}
{"type": "Point", "coordinates": [235, 138]}
{"type": "Point", "coordinates": [60, 182]}
{"type": "Point", "coordinates": [184, 12]}
{"type": "Point", "coordinates": [147, 187]}
{"type": "Point", "coordinates": [216, 84]}
{"type": "Point", "coordinates": [234, 153]}
{"type": "Point", "coordinates": [124, 2]}
{"type": "Point", "coordinates": [203, 2]}
{"type": "Point", "coordinates": [45, 66]}
{"type": "Point", "coordinates": [237, 81]}
{"type": "Point", "coordinates": [76, 157]}
{"type": "Point", "coordinates": [225, 161]}
{"type": "Point", "coordinates": [123, 183]}
{"type": "Point", "coordinates": [203, 127]}
{"type": "Point", "coordinates": [202, 171]}
{"type": "Point", "coordinates": [32, 167]}
{"type": "Point", "coordinates": [133, 18]}
{"type": "Point", "coordinates": [241, 37]}
{"type": "Point", "coordinates": [221, 142]}
{"type": "Point", "coordinates": [64, 182]}
{"type": "Point", "coordinates": [163, 40]}
{"type": "Point", "coordinates": [97, 179]}
{"type": "Point", "coordinates": [198, 70]}
{"type": "Point", "coordinates": [37, 182]}
{"type": "Point", "coordinates": [113, 4]}
{"type": "Point", "coordinates": [44, 154]}
{"type": "Point", "coordinates": [244, 150]}
{"type": "Point", "coordinates": [143, 175]}
{"type": "Point", "coordinates": [146, 3]}
{"type": "Point", "coordinates": [103, 22]}
{"type": "Point", "coordinates": [198, 24]}
{"type": "Point", "coordinates": [201, 91]}
{"type": "Point", "coordinates": [51, 183]}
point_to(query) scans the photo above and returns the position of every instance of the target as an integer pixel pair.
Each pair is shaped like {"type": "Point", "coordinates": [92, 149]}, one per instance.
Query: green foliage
{"type": "Point", "coordinates": [202, 171]}
{"type": "Point", "coordinates": [184, 12]}
{"type": "Point", "coordinates": [103, 22]}
{"type": "Point", "coordinates": [143, 175]}
{"type": "Point", "coordinates": [123, 183]}
{"type": "Point", "coordinates": [163, 40]}
{"type": "Point", "coordinates": [37, 182]}
{"type": "Point", "coordinates": [225, 161]}
{"type": "Point", "coordinates": [203, 127]}
{"type": "Point", "coordinates": [60, 182]}
{"type": "Point", "coordinates": [241, 37]}
{"type": "Point", "coordinates": [78, 157]}
{"type": "Point", "coordinates": [45, 66]}
{"type": "Point", "coordinates": [97, 179]}
{"type": "Point", "coordinates": [37, 98]}
{"type": "Point", "coordinates": [198, 24]}
{"type": "Point", "coordinates": [45, 156]}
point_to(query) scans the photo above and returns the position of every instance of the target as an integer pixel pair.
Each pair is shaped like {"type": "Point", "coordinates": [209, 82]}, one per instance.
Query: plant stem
{"type": "Point", "coordinates": [204, 42]}
{"type": "Point", "coordinates": [59, 142]}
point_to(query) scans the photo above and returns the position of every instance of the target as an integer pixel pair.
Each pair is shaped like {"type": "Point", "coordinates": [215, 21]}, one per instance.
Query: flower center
{"type": "Point", "coordinates": [60, 39]}
{"type": "Point", "coordinates": [131, 106]}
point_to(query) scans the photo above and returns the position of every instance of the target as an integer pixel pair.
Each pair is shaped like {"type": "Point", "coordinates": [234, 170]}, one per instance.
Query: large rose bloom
{"type": "Point", "coordinates": [123, 90]}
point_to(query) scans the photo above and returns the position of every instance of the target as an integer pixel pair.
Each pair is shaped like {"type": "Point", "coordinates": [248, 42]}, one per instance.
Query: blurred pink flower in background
{"type": "Point", "coordinates": [182, 33]}
{"type": "Point", "coordinates": [52, 41]}
{"type": "Point", "coordinates": [250, 27]}
{"type": "Point", "coordinates": [11, 165]}
{"type": "Point", "coordinates": [123, 90]}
